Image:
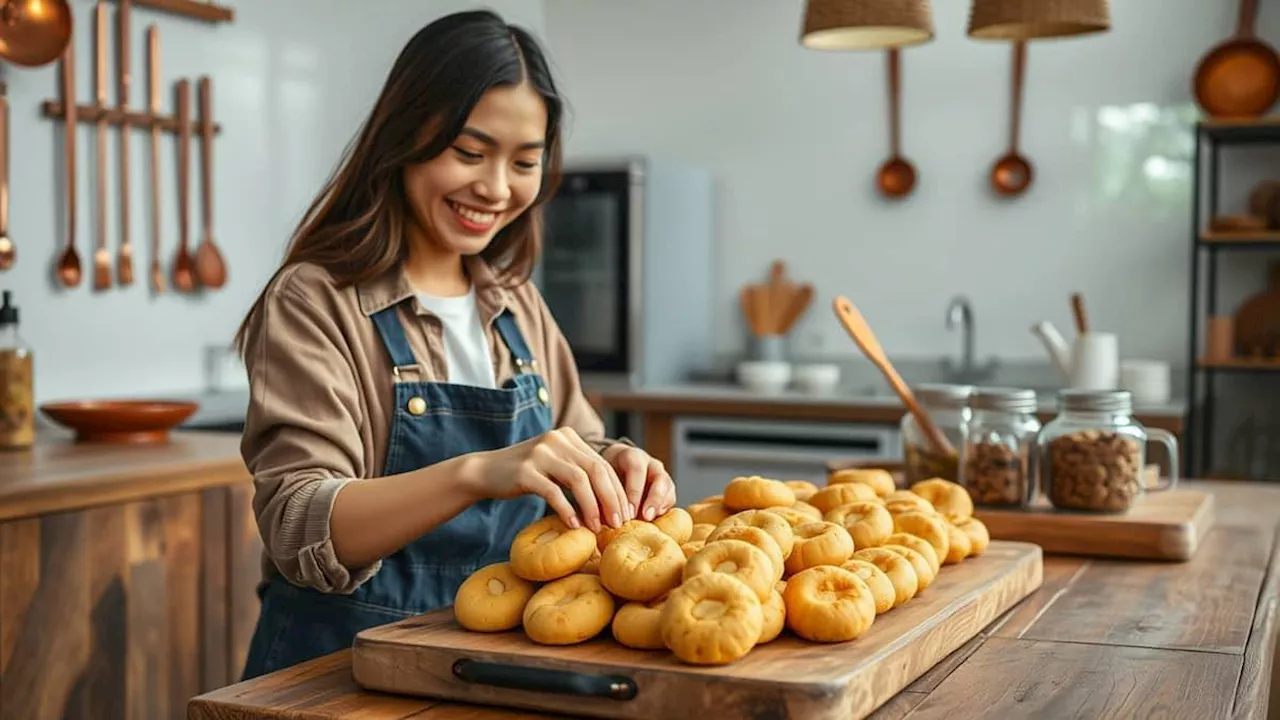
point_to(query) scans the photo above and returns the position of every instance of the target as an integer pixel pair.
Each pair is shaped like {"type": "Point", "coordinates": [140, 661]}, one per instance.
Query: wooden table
{"type": "Point", "coordinates": [127, 575]}
{"type": "Point", "coordinates": [1099, 639]}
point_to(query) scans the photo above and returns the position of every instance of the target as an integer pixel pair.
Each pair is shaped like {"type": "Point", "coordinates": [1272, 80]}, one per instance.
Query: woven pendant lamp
{"type": "Point", "coordinates": [866, 24]}
{"type": "Point", "coordinates": [1037, 19]}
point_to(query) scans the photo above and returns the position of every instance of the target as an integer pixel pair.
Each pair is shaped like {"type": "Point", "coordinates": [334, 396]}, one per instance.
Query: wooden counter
{"type": "Point", "coordinates": [1099, 639]}
{"type": "Point", "coordinates": [128, 575]}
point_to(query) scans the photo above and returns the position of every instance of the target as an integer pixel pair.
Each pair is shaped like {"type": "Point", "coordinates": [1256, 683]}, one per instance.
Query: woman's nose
{"type": "Point", "coordinates": [494, 186]}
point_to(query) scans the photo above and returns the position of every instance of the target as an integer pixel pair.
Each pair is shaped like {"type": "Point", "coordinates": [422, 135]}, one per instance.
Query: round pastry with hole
{"type": "Point", "coordinates": [920, 545]}
{"type": "Point", "coordinates": [739, 559]}
{"type": "Point", "coordinates": [607, 534]}
{"type": "Point", "coordinates": [793, 516]}
{"type": "Point", "coordinates": [828, 604]}
{"type": "Point", "coordinates": [959, 546]}
{"type": "Point", "coordinates": [925, 573]}
{"type": "Point", "coordinates": [900, 501]}
{"type": "Point", "coordinates": [833, 496]}
{"type": "Point", "coordinates": [950, 499]}
{"type": "Point", "coordinates": [692, 547]}
{"type": "Point", "coordinates": [899, 570]}
{"type": "Point", "coordinates": [773, 523]}
{"type": "Point", "coordinates": [677, 523]}
{"type": "Point", "coordinates": [642, 564]}
{"type": "Point", "coordinates": [593, 565]}
{"type": "Point", "coordinates": [979, 538]}
{"type": "Point", "coordinates": [806, 509]}
{"type": "Point", "coordinates": [928, 527]}
{"type": "Point", "coordinates": [775, 614]}
{"type": "Point", "coordinates": [569, 610]}
{"type": "Point", "coordinates": [819, 543]}
{"type": "Point", "coordinates": [878, 479]}
{"type": "Point", "coordinates": [492, 599]}
{"type": "Point", "coordinates": [712, 619]}
{"type": "Point", "coordinates": [802, 488]}
{"type": "Point", "coordinates": [881, 587]}
{"type": "Point", "coordinates": [755, 492]}
{"type": "Point", "coordinates": [548, 550]}
{"type": "Point", "coordinates": [700, 531]}
{"type": "Point", "coordinates": [755, 536]}
{"type": "Point", "coordinates": [708, 513]}
{"type": "Point", "coordinates": [869, 523]}
{"type": "Point", "coordinates": [638, 624]}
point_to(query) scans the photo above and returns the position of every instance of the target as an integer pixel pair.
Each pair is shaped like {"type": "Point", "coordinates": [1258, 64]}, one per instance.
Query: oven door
{"type": "Point", "coordinates": [585, 271]}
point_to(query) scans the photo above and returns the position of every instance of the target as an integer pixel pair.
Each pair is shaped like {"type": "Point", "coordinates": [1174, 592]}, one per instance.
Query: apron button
{"type": "Point", "coordinates": [417, 406]}
{"type": "Point", "coordinates": [543, 397]}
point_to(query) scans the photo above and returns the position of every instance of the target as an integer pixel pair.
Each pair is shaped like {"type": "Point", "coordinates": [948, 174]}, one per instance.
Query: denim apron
{"type": "Point", "coordinates": [433, 421]}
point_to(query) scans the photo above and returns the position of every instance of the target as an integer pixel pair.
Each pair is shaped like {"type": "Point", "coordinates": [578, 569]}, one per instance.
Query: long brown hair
{"type": "Point", "coordinates": [355, 226]}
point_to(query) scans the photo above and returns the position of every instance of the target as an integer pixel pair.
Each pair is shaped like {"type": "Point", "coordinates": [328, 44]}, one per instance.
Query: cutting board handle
{"type": "Point", "coordinates": [564, 682]}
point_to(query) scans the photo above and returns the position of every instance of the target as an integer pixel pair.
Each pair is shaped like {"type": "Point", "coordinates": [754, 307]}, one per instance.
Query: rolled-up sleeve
{"type": "Point", "coordinates": [302, 440]}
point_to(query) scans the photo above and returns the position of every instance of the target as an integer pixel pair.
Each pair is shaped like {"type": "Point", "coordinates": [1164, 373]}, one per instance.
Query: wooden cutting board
{"type": "Point", "coordinates": [1165, 525]}
{"type": "Point", "coordinates": [787, 678]}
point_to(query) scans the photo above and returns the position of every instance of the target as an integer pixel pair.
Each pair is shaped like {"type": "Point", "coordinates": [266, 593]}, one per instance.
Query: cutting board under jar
{"type": "Point", "coordinates": [787, 678]}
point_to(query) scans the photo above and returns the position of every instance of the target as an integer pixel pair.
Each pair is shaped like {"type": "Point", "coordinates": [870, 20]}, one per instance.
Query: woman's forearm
{"type": "Point", "coordinates": [374, 518]}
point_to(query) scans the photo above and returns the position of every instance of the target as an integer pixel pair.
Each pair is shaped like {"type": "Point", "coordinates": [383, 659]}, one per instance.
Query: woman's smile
{"type": "Point", "coordinates": [472, 219]}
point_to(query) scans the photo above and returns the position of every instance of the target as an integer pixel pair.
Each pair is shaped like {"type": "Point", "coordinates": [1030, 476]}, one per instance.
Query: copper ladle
{"type": "Point", "coordinates": [211, 271]}
{"type": "Point", "coordinates": [183, 276]}
{"type": "Point", "coordinates": [1012, 173]}
{"type": "Point", "coordinates": [69, 261]}
{"type": "Point", "coordinates": [8, 253]}
{"type": "Point", "coordinates": [897, 175]}
{"type": "Point", "coordinates": [34, 32]}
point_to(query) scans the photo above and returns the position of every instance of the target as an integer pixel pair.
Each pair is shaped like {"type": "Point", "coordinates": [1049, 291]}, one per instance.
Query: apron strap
{"type": "Point", "coordinates": [511, 335]}
{"type": "Point", "coordinates": [394, 339]}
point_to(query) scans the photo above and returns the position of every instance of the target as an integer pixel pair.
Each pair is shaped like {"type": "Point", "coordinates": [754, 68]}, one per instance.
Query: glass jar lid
{"type": "Point", "coordinates": [1001, 399]}
{"type": "Point", "coordinates": [943, 396]}
{"type": "Point", "coordinates": [1115, 401]}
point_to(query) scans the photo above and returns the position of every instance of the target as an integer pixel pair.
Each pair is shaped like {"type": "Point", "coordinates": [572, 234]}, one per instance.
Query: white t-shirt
{"type": "Point", "coordinates": [466, 349]}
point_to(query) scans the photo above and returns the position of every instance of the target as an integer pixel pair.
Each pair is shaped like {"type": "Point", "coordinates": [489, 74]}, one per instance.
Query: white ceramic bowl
{"type": "Point", "coordinates": [818, 378]}
{"type": "Point", "coordinates": [769, 376]}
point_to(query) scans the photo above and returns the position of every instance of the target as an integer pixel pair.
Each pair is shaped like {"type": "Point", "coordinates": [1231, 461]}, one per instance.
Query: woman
{"type": "Point", "coordinates": [413, 403]}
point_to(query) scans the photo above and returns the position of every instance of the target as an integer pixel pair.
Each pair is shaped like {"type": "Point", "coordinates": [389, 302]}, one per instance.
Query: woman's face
{"type": "Point", "coordinates": [461, 198]}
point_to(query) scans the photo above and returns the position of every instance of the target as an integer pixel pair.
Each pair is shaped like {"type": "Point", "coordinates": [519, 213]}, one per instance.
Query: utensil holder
{"type": "Point", "coordinates": [769, 347]}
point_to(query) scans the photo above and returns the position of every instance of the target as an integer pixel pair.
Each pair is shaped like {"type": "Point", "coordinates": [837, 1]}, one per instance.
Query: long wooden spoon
{"type": "Point", "coordinates": [861, 333]}
{"type": "Point", "coordinates": [211, 271]}
{"type": "Point", "coordinates": [124, 257]}
{"type": "Point", "coordinates": [68, 260]}
{"type": "Point", "coordinates": [153, 105]}
{"type": "Point", "coordinates": [8, 253]}
{"type": "Point", "coordinates": [183, 278]}
{"type": "Point", "coordinates": [101, 256]}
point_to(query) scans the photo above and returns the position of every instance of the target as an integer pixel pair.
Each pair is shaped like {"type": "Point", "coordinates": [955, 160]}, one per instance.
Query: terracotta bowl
{"type": "Point", "coordinates": [120, 421]}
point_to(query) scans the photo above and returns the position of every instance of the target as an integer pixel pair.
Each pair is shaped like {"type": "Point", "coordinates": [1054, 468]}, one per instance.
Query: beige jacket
{"type": "Point", "coordinates": [321, 399]}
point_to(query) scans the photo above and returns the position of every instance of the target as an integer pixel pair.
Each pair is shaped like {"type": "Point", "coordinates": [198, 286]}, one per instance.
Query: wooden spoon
{"type": "Point", "coordinates": [124, 257]}
{"type": "Point", "coordinates": [897, 176]}
{"type": "Point", "coordinates": [1012, 173]}
{"type": "Point", "coordinates": [861, 333]}
{"type": "Point", "coordinates": [183, 278]}
{"type": "Point", "coordinates": [101, 256]}
{"type": "Point", "coordinates": [8, 253]}
{"type": "Point", "coordinates": [153, 104]}
{"type": "Point", "coordinates": [69, 261]}
{"type": "Point", "coordinates": [1077, 309]}
{"type": "Point", "coordinates": [211, 271]}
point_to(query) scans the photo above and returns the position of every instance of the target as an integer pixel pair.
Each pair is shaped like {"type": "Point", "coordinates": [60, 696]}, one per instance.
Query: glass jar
{"type": "Point", "coordinates": [996, 460]}
{"type": "Point", "coordinates": [948, 407]}
{"type": "Point", "coordinates": [1092, 456]}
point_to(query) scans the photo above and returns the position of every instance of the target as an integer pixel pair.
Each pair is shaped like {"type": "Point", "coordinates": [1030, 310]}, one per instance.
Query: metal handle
{"type": "Point", "coordinates": [564, 682]}
{"type": "Point", "coordinates": [771, 457]}
{"type": "Point", "coordinates": [1170, 443]}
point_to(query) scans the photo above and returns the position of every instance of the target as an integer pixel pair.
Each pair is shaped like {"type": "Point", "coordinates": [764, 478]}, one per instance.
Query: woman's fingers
{"type": "Point", "coordinates": [568, 473]}
{"type": "Point", "coordinates": [608, 488]}
{"type": "Point", "coordinates": [546, 488]}
{"type": "Point", "coordinates": [661, 493]}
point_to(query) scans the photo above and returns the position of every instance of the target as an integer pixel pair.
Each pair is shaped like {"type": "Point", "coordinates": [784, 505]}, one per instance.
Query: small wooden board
{"type": "Point", "coordinates": [787, 678]}
{"type": "Point", "coordinates": [1166, 525]}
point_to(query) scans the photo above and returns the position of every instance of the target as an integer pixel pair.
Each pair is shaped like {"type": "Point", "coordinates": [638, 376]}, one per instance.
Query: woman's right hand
{"type": "Point", "coordinates": [552, 465]}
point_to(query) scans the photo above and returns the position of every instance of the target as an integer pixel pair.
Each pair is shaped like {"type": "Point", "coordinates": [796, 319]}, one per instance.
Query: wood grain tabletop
{"type": "Point", "coordinates": [1099, 639]}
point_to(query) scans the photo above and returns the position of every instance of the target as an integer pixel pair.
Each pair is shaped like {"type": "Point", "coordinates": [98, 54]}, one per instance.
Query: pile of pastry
{"type": "Point", "coordinates": [711, 581]}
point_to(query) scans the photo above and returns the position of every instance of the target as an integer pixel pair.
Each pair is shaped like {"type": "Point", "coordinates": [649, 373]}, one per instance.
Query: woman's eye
{"type": "Point", "coordinates": [526, 165]}
{"type": "Point", "coordinates": [467, 154]}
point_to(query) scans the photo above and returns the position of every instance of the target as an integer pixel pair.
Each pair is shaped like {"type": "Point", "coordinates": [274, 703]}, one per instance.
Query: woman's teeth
{"type": "Point", "coordinates": [474, 216]}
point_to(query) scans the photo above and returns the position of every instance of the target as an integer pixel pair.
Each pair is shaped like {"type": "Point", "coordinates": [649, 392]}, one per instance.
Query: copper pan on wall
{"type": "Point", "coordinates": [34, 32]}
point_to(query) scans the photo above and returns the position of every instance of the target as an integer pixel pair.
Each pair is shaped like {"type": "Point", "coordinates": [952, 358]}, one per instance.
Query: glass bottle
{"type": "Point", "coordinates": [17, 398]}
{"type": "Point", "coordinates": [996, 460]}
{"type": "Point", "coordinates": [948, 407]}
{"type": "Point", "coordinates": [1092, 456]}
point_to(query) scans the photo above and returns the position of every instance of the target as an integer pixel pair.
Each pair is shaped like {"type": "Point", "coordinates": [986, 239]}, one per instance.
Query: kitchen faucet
{"type": "Point", "coordinates": [960, 312]}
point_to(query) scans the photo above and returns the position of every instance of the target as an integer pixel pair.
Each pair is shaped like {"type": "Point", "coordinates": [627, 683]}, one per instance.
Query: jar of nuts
{"type": "Point", "coordinates": [1091, 457]}
{"type": "Point", "coordinates": [999, 447]}
{"type": "Point", "coordinates": [948, 407]}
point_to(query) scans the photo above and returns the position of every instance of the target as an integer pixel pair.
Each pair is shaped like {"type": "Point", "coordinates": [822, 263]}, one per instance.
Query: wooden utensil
{"type": "Point", "coordinates": [34, 32]}
{"type": "Point", "coordinates": [1257, 321]}
{"type": "Point", "coordinates": [897, 176]}
{"type": "Point", "coordinates": [1012, 173]}
{"type": "Point", "coordinates": [860, 331]}
{"type": "Point", "coordinates": [69, 261]}
{"type": "Point", "coordinates": [210, 269]}
{"type": "Point", "coordinates": [153, 105]}
{"type": "Point", "coordinates": [1077, 311]}
{"type": "Point", "coordinates": [183, 276]}
{"type": "Point", "coordinates": [1241, 76]}
{"type": "Point", "coordinates": [124, 258]}
{"type": "Point", "coordinates": [101, 256]}
{"type": "Point", "coordinates": [8, 253]}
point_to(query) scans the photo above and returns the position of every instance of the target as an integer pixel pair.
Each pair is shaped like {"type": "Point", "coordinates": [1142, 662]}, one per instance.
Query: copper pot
{"type": "Point", "coordinates": [34, 32]}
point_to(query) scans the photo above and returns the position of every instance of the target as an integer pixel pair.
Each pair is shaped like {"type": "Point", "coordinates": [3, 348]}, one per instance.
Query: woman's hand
{"type": "Point", "coordinates": [547, 466]}
{"type": "Point", "coordinates": [649, 489]}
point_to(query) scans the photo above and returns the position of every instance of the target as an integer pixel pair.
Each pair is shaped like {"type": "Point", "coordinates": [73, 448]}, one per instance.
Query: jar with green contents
{"type": "Point", "coordinates": [948, 407]}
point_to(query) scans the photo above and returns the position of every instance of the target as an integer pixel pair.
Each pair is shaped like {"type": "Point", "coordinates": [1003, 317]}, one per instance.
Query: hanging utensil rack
{"type": "Point", "coordinates": [194, 9]}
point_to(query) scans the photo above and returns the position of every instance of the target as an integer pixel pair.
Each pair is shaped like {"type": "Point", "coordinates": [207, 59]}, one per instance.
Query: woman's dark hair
{"type": "Point", "coordinates": [355, 226]}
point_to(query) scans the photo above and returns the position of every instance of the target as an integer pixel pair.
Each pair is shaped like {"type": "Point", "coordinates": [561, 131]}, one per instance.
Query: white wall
{"type": "Point", "coordinates": [796, 136]}
{"type": "Point", "coordinates": [291, 81]}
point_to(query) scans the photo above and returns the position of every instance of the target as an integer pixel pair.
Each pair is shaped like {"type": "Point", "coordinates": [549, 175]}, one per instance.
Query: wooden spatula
{"type": "Point", "coordinates": [861, 333]}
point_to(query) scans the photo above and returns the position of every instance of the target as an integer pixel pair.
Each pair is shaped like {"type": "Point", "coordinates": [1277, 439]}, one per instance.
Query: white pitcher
{"type": "Point", "coordinates": [1092, 362]}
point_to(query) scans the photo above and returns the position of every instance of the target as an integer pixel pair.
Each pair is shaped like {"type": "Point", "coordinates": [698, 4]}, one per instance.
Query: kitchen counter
{"type": "Point", "coordinates": [128, 575]}
{"type": "Point", "coordinates": [1193, 640]}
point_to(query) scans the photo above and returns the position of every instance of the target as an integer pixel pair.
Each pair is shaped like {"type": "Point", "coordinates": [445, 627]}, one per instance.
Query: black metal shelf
{"type": "Point", "coordinates": [1261, 130]}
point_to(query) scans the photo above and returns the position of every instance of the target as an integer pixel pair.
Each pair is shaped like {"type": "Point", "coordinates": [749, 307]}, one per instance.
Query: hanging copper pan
{"type": "Point", "coordinates": [34, 32]}
{"type": "Point", "coordinates": [1241, 77]}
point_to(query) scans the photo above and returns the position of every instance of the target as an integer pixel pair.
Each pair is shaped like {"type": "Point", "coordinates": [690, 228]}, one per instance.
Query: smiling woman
{"type": "Point", "coordinates": [413, 404]}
